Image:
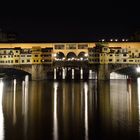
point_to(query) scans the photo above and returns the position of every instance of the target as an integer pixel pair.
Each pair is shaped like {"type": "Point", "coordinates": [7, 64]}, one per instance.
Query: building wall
{"type": "Point", "coordinates": [35, 53]}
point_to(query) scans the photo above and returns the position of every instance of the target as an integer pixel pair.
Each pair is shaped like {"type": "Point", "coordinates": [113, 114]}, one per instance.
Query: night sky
{"type": "Point", "coordinates": [70, 21]}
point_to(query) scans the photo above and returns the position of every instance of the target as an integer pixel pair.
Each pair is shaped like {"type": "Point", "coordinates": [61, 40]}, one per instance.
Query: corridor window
{"type": "Point", "coordinates": [82, 46]}
{"type": "Point", "coordinates": [71, 46]}
{"type": "Point", "coordinates": [59, 47]}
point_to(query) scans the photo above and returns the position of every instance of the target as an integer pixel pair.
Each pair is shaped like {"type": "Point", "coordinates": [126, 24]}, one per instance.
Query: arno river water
{"type": "Point", "coordinates": [91, 110]}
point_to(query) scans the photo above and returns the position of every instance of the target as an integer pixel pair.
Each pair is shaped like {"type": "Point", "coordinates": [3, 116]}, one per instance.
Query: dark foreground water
{"type": "Point", "coordinates": [47, 110]}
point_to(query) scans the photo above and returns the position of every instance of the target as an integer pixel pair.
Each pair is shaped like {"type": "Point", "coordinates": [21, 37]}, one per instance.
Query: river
{"type": "Point", "coordinates": [61, 110]}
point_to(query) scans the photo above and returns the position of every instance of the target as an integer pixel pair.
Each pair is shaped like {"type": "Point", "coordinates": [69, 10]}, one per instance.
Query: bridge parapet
{"type": "Point", "coordinates": [82, 64]}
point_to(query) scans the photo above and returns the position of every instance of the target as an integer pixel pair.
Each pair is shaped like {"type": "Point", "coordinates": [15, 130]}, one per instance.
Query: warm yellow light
{"type": "Point", "coordinates": [55, 55]}
{"type": "Point", "coordinates": [138, 69]}
{"type": "Point", "coordinates": [1, 112]}
{"type": "Point", "coordinates": [86, 54]}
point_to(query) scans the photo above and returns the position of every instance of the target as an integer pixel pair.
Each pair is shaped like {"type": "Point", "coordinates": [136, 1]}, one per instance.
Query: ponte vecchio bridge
{"type": "Point", "coordinates": [69, 60]}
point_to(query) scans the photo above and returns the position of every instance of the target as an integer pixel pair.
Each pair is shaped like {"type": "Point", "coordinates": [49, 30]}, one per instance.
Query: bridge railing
{"type": "Point", "coordinates": [70, 63]}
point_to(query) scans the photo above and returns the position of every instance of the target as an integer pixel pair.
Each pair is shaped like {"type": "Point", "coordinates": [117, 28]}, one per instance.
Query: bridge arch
{"type": "Point", "coordinates": [125, 69]}
{"type": "Point", "coordinates": [14, 72]}
{"type": "Point", "coordinates": [71, 55]}
{"type": "Point", "coordinates": [81, 54]}
{"type": "Point", "coordinates": [60, 55]}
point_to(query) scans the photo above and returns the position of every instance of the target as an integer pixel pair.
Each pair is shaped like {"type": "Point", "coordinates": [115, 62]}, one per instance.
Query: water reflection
{"type": "Point", "coordinates": [138, 81]}
{"type": "Point", "coordinates": [1, 112]}
{"type": "Point", "coordinates": [55, 120]}
{"type": "Point", "coordinates": [25, 87]}
{"type": "Point", "coordinates": [121, 105]}
{"type": "Point", "coordinates": [86, 110]}
{"type": "Point", "coordinates": [123, 102]}
{"type": "Point", "coordinates": [103, 110]}
{"type": "Point", "coordinates": [14, 103]}
{"type": "Point", "coordinates": [70, 110]}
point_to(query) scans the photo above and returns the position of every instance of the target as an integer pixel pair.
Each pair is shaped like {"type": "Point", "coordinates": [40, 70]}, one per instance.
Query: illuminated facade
{"type": "Point", "coordinates": [22, 56]}
{"type": "Point", "coordinates": [47, 53]}
{"type": "Point", "coordinates": [115, 54]}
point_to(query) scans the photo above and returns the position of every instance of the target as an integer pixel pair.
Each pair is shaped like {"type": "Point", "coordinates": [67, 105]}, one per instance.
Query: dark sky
{"type": "Point", "coordinates": [70, 21]}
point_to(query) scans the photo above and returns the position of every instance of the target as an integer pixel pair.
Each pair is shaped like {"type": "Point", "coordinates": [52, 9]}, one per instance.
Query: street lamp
{"type": "Point", "coordinates": [138, 69]}
{"type": "Point", "coordinates": [54, 54]}
{"type": "Point", "coordinates": [86, 54]}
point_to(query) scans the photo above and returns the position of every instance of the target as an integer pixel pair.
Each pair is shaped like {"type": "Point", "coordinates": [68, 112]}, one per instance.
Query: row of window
{"type": "Point", "coordinates": [25, 55]}
{"type": "Point", "coordinates": [46, 60]}
{"type": "Point", "coordinates": [94, 55]}
{"type": "Point", "coordinates": [23, 61]}
{"type": "Point", "coordinates": [94, 60]}
{"type": "Point", "coordinates": [110, 60]}
{"type": "Point", "coordinates": [134, 60]}
{"type": "Point", "coordinates": [71, 46]}
{"type": "Point", "coordinates": [45, 55]}
{"type": "Point", "coordinates": [8, 52]}
{"type": "Point", "coordinates": [26, 51]}
{"type": "Point", "coordinates": [11, 56]}
{"type": "Point", "coordinates": [97, 55]}
{"type": "Point", "coordinates": [9, 61]}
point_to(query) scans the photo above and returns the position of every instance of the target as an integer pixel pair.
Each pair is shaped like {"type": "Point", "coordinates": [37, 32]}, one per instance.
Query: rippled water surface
{"type": "Point", "coordinates": [47, 110]}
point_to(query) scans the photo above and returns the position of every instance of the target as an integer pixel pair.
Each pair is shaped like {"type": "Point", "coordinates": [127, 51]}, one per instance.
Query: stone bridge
{"type": "Point", "coordinates": [37, 71]}
{"type": "Point", "coordinates": [42, 71]}
{"type": "Point", "coordinates": [104, 70]}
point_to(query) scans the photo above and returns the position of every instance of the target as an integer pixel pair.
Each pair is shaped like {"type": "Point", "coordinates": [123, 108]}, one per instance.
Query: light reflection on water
{"type": "Point", "coordinates": [25, 87]}
{"type": "Point", "coordinates": [70, 110]}
{"type": "Point", "coordinates": [138, 81]}
{"type": "Point", "coordinates": [14, 103]}
{"type": "Point", "coordinates": [86, 110]}
{"type": "Point", "coordinates": [55, 123]}
{"type": "Point", "coordinates": [1, 112]}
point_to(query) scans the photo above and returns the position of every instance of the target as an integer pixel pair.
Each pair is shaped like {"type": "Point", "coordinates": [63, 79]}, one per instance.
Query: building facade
{"type": "Point", "coordinates": [47, 53]}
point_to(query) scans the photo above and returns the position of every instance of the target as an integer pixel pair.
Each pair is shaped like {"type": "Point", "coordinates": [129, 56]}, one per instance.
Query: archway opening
{"type": "Point", "coordinates": [71, 56]}
{"type": "Point", "coordinates": [130, 71]}
{"type": "Point", "coordinates": [83, 56]}
{"type": "Point", "coordinates": [60, 56]}
{"type": "Point", "coordinates": [11, 73]}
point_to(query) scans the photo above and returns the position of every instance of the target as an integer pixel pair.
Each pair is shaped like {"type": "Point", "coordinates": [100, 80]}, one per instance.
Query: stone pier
{"type": "Point", "coordinates": [103, 72]}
